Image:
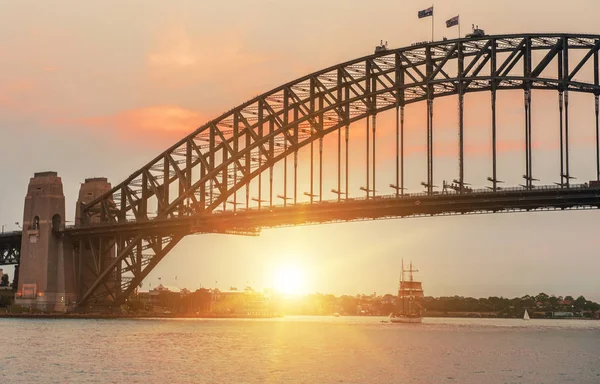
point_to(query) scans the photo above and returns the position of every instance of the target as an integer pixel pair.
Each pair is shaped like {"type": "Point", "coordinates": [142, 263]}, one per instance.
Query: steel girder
{"type": "Point", "coordinates": [202, 171]}
{"type": "Point", "coordinates": [409, 205]}
{"type": "Point", "coordinates": [117, 266]}
{"type": "Point", "coordinates": [10, 255]}
{"type": "Point", "coordinates": [10, 248]}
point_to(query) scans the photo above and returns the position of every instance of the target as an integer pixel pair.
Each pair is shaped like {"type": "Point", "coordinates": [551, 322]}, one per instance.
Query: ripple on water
{"type": "Point", "coordinates": [300, 350]}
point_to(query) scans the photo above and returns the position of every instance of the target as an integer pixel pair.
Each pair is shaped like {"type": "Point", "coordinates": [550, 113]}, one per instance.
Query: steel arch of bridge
{"type": "Point", "coordinates": [205, 169]}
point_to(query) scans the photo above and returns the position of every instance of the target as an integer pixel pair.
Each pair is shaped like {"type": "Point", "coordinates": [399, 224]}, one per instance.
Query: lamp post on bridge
{"type": "Point", "coordinates": [338, 193]}
{"type": "Point", "coordinates": [311, 195]}
{"type": "Point", "coordinates": [399, 190]}
{"type": "Point", "coordinates": [495, 183]}
{"type": "Point", "coordinates": [428, 187]}
{"type": "Point", "coordinates": [368, 191]}
{"type": "Point", "coordinates": [235, 204]}
{"type": "Point", "coordinates": [285, 199]}
{"type": "Point", "coordinates": [259, 201]}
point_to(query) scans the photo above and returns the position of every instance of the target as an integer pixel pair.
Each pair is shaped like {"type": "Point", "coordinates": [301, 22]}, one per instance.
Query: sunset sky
{"type": "Point", "coordinates": [99, 88]}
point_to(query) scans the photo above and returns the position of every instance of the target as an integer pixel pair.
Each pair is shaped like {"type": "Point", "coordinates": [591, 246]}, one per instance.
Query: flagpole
{"type": "Point", "coordinates": [459, 35]}
{"type": "Point", "coordinates": [432, 23]}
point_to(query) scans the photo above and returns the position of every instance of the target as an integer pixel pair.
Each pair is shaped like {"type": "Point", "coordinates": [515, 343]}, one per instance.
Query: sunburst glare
{"type": "Point", "coordinates": [289, 279]}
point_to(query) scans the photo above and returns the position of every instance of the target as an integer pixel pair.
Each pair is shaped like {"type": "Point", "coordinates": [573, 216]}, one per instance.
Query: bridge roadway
{"type": "Point", "coordinates": [249, 222]}
{"type": "Point", "coordinates": [252, 220]}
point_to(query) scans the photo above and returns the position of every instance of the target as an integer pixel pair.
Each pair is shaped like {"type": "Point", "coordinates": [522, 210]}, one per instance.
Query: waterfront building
{"type": "Point", "coordinates": [562, 315]}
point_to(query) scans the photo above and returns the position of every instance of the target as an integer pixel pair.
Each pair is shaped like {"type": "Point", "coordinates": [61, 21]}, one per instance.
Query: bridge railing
{"type": "Point", "coordinates": [10, 234]}
{"type": "Point", "coordinates": [407, 196]}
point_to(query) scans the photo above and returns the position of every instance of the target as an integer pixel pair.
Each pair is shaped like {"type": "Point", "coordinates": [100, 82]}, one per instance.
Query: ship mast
{"type": "Point", "coordinates": [400, 292]}
{"type": "Point", "coordinates": [410, 287]}
{"type": "Point", "coordinates": [411, 297]}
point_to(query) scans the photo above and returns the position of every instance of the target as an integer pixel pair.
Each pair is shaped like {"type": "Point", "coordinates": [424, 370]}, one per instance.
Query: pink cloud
{"type": "Point", "coordinates": [156, 123]}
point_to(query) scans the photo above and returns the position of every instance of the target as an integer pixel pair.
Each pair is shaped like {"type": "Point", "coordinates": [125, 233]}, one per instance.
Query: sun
{"type": "Point", "coordinates": [289, 279]}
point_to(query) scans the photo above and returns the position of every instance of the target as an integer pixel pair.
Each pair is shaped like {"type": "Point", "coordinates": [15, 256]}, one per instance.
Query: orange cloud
{"type": "Point", "coordinates": [155, 124]}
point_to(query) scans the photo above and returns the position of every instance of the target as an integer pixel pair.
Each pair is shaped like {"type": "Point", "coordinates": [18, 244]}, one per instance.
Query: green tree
{"type": "Point", "coordinates": [5, 301]}
{"type": "Point", "coordinates": [527, 301]}
{"type": "Point", "coordinates": [15, 283]}
{"type": "Point", "coordinates": [542, 297]}
{"type": "Point", "coordinates": [580, 302]}
{"type": "Point", "coordinates": [591, 306]}
{"type": "Point", "coordinates": [348, 304]}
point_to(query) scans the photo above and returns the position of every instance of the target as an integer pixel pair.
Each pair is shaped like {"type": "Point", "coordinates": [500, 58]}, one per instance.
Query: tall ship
{"type": "Point", "coordinates": [409, 308]}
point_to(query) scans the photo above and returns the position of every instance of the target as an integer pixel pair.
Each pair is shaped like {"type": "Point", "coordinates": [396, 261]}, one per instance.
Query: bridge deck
{"type": "Point", "coordinates": [479, 201]}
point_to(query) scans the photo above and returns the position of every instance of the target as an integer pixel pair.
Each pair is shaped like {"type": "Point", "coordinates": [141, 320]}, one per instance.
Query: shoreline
{"type": "Point", "coordinates": [101, 316]}
{"type": "Point", "coordinates": [109, 316]}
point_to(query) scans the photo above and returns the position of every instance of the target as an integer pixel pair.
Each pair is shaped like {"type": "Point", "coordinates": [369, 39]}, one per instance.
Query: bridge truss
{"type": "Point", "coordinates": [10, 248]}
{"type": "Point", "coordinates": [211, 169]}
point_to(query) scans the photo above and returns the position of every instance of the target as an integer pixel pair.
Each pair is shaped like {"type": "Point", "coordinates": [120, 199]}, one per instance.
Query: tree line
{"type": "Point", "coordinates": [542, 303]}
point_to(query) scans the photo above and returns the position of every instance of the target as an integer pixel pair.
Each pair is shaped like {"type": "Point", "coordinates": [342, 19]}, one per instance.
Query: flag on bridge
{"type": "Point", "coordinates": [452, 22]}
{"type": "Point", "coordinates": [426, 12]}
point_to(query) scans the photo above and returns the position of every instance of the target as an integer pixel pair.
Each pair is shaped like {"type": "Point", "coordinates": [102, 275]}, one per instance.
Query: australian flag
{"type": "Point", "coordinates": [426, 12]}
{"type": "Point", "coordinates": [452, 22]}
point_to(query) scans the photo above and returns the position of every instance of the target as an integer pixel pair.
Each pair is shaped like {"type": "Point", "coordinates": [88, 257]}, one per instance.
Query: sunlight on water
{"type": "Point", "coordinates": [300, 350]}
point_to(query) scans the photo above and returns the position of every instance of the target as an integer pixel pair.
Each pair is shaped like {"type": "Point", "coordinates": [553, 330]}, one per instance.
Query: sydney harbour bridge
{"type": "Point", "coordinates": [239, 172]}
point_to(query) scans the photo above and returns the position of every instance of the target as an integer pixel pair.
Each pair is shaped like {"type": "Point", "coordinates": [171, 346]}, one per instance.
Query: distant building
{"type": "Point", "coordinates": [246, 302]}
{"type": "Point", "coordinates": [144, 300]}
{"type": "Point", "coordinates": [562, 315]}
{"type": "Point", "coordinates": [198, 302]}
{"type": "Point", "coordinates": [164, 299]}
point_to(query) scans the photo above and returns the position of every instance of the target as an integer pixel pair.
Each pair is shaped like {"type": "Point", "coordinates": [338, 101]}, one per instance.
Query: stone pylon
{"type": "Point", "coordinates": [90, 190]}
{"type": "Point", "coordinates": [46, 273]}
{"type": "Point", "coordinates": [90, 262]}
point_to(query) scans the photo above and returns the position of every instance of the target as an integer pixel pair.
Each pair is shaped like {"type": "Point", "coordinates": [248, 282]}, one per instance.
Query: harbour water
{"type": "Point", "coordinates": [299, 350]}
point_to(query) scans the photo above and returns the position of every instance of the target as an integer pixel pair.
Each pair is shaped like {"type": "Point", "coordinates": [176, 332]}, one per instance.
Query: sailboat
{"type": "Point", "coordinates": [526, 315]}
{"type": "Point", "coordinates": [410, 294]}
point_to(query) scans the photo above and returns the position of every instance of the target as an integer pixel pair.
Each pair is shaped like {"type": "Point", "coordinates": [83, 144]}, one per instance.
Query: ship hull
{"type": "Point", "coordinates": [406, 320]}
